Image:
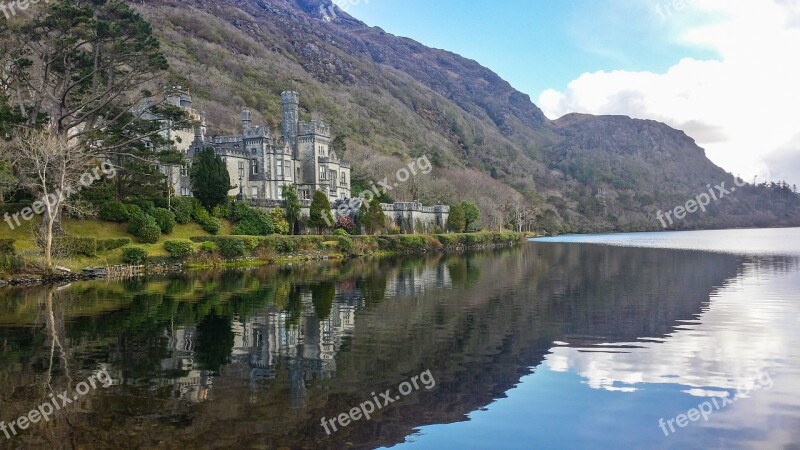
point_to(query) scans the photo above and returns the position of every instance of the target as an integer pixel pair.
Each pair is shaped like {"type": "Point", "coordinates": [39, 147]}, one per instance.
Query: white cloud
{"type": "Point", "coordinates": [741, 107]}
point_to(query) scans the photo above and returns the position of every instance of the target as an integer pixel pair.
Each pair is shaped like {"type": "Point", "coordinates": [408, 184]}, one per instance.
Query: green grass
{"type": "Point", "coordinates": [26, 246]}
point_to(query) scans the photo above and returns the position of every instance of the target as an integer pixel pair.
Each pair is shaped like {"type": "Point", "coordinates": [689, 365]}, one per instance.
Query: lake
{"type": "Point", "coordinates": [642, 340]}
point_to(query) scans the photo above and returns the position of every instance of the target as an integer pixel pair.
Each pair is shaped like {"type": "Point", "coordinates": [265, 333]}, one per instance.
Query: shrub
{"type": "Point", "coordinates": [209, 247]}
{"type": "Point", "coordinates": [113, 211]}
{"type": "Point", "coordinates": [145, 204]}
{"type": "Point", "coordinates": [134, 255]}
{"type": "Point", "coordinates": [253, 222]}
{"type": "Point", "coordinates": [182, 208]}
{"type": "Point", "coordinates": [222, 211]}
{"type": "Point", "coordinates": [104, 245]}
{"type": "Point", "coordinates": [6, 246]}
{"type": "Point", "coordinates": [364, 245]}
{"type": "Point", "coordinates": [345, 244]}
{"type": "Point", "coordinates": [200, 214]}
{"type": "Point", "coordinates": [149, 234]}
{"type": "Point", "coordinates": [11, 263]}
{"type": "Point", "coordinates": [179, 248]}
{"type": "Point", "coordinates": [132, 210]}
{"type": "Point", "coordinates": [278, 216]}
{"type": "Point", "coordinates": [165, 219]}
{"type": "Point", "coordinates": [209, 224]}
{"type": "Point", "coordinates": [340, 232]}
{"type": "Point", "coordinates": [286, 245]}
{"type": "Point", "coordinates": [345, 223]}
{"type": "Point", "coordinates": [145, 228]}
{"type": "Point", "coordinates": [232, 248]}
{"type": "Point", "coordinates": [448, 240]}
{"type": "Point", "coordinates": [411, 243]}
{"type": "Point", "coordinates": [137, 220]}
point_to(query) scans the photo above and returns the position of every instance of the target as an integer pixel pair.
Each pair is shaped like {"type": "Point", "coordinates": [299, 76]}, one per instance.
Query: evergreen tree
{"type": "Point", "coordinates": [292, 207]}
{"type": "Point", "coordinates": [472, 215]}
{"type": "Point", "coordinates": [210, 179]}
{"type": "Point", "coordinates": [456, 221]}
{"type": "Point", "coordinates": [372, 216]}
{"type": "Point", "coordinates": [320, 216]}
{"type": "Point", "coordinates": [339, 146]}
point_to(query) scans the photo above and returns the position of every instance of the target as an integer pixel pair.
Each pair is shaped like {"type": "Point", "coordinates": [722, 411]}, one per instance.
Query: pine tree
{"type": "Point", "coordinates": [320, 216]}
{"type": "Point", "coordinates": [292, 206]}
{"type": "Point", "coordinates": [372, 216]}
{"type": "Point", "coordinates": [210, 179]}
{"type": "Point", "coordinates": [456, 221]}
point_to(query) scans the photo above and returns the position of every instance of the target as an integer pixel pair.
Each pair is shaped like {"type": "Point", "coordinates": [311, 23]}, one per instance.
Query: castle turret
{"type": "Point", "coordinates": [291, 107]}
{"type": "Point", "coordinates": [245, 120]}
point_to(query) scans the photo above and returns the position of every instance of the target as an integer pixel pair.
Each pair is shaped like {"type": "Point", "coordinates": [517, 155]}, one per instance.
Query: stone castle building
{"type": "Point", "coordinates": [259, 162]}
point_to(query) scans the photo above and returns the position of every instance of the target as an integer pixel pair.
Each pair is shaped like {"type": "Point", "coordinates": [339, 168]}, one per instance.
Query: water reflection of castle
{"type": "Point", "coordinates": [265, 340]}
{"type": "Point", "coordinates": [271, 341]}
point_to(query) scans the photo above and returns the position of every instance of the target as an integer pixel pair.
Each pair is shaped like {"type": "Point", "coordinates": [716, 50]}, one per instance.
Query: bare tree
{"type": "Point", "coordinates": [49, 167]}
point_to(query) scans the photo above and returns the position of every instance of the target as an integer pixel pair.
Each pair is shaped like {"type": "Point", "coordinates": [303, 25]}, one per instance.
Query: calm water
{"type": "Point", "coordinates": [575, 342]}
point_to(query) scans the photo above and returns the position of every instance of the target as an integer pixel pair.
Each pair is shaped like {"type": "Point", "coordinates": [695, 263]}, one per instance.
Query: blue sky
{"type": "Point", "coordinates": [535, 45]}
{"type": "Point", "coordinates": [716, 69]}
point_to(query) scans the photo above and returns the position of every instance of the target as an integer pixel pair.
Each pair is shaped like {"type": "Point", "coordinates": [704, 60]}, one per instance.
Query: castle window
{"type": "Point", "coordinates": [323, 173]}
{"type": "Point", "coordinates": [344, 178]}
{"type": "Point", "coordinates": [279, 169]}
{"type": "Point", "coordinates": [184, 170]}
{"type": "Point", "coordinates": [254, 192]}
{"type": "Point", "coordinates": [254, 167]}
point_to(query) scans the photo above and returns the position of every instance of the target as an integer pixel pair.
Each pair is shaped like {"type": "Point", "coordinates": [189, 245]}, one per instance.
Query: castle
{"type": "Point", "coordinates": [260, 163]}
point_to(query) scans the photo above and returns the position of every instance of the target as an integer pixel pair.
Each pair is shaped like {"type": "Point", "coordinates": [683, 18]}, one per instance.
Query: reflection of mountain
{"type": "Point", "coordinates": [478, 322]}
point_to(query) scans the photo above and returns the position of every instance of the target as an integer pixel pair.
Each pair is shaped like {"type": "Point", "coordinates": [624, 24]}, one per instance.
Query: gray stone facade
{"type": "Point", "coordinates": [260, 163]}
{"type": "Point", "coordinates": [413, 217]}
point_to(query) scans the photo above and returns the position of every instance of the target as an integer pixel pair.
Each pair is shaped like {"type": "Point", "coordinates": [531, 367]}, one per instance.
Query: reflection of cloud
{"type": "Point", "coordinates": [706, 393]}
{"type": "Point", "coordinates": [748, 328]}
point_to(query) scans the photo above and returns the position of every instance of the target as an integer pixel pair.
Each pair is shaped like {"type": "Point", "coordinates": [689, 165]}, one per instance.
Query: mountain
{"type": "Point", "coordinates": [394, 99]}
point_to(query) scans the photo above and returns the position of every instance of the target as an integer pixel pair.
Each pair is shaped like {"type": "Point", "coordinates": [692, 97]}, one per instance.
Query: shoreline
{"type": "Point", "coordinates": [280, 251]}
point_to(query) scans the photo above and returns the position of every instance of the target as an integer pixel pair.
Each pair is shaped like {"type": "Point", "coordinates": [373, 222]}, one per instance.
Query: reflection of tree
{"type": "Point", "coordinates": [322, 295]}
{"type": "Point", "coordinates": [373, 288]}
{"type": "Point", "coordinates": [294, 307]}
{"type": "Point", "coordinates": [463, 271]}
{"type": "Point", "coordinates": [214, 342]}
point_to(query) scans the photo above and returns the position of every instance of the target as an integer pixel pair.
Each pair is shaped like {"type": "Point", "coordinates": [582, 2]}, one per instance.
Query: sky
{"type": "Point", "coordinates": [727, 72]}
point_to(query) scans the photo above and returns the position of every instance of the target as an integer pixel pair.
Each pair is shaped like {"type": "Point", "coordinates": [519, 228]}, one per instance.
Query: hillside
{"type": "Point", "coordinates": [393, 98]}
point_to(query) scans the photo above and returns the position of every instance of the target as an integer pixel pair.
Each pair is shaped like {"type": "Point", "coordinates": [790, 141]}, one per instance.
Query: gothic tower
{"type": "Point", "coordinates": [291, 108]}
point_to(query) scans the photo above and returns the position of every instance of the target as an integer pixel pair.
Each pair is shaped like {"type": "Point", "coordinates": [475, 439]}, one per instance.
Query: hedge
{"type": "Point", "coordinates": [70, 246]}
{"type": "Point", "coordinates": [179, 248]}
{"type": "Point", "coordinates": [86, 246]}
{"type": "Point", "coordinates": [232, 248]}
{"type": "Point", "coordinates": [355, 245]}
{"type": "Point", "coordinates": [104, 245]}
